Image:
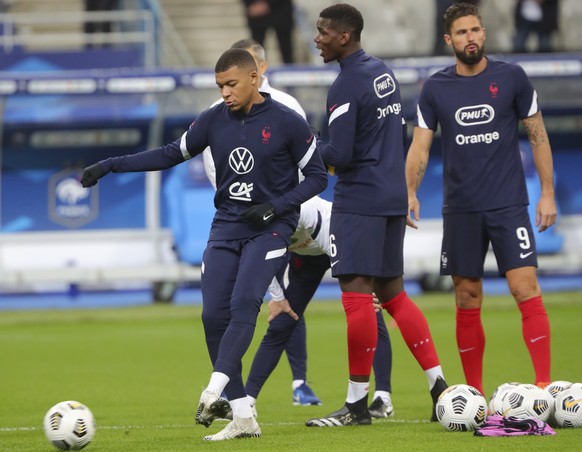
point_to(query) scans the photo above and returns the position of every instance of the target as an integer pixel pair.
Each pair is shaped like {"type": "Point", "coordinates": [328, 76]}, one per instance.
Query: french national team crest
{"type": "Point", "coordinates": [69, 203]}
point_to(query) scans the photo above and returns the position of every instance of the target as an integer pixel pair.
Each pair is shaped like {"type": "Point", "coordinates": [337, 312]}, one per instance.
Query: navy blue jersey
{"type": "Point", "coordinates": [479, 118]}
{"type": "Point", "coordinates": [256, 157]}
{"type": "Point", "coordinates": [366, 138]}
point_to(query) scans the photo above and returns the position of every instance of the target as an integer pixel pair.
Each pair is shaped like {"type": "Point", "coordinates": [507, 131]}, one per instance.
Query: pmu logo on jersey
{"type": "Point", "coordinates": [266, 133]}
{"type": "Point", "coordinates": [384, 85]}
{"type": "Point", "coordinates": [70, 204]}
{"type": "Point", "coordinates": [475, 114]}
{"type": "Point", "coordinates": [241, 160]}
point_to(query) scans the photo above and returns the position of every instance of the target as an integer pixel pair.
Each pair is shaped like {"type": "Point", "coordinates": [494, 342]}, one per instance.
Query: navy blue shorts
{"type": "Point", "coordinates": [366, 245]}
{"type": "Point", "coordinates": [466, 239]}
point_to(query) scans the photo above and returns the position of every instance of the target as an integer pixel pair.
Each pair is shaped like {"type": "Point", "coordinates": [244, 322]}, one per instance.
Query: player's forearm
{"type": "Point", "coordinates": [542, 152]}
{"type": "Point", "coordinates": [314, 183]}
{"type": "Point", "coordinates": [151, 160]}
{"type": "Point", "coordinates": [415, 170]}
{"type": "Point", "coordinates": [417, 159]}
{"type": "Point", "coordinates": [276, 291]}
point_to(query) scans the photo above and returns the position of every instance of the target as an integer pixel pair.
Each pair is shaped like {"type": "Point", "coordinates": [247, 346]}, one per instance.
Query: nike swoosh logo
{"type": "Point", "coordinates": [465, 350]}
{"type": "Point", "coordinates": [267, 216]}
{"type": "Point", "coordinates": [309, 139]}
{"type": "Point", "coordinates": [535, 339]}
{"type": "Point", "coordinates": [332, 107]}
{"type": "Point", "coordinates": [524, 255]}
{"type": "Point", "coordinates": [334, 262]}
{"type": "Point", "coordinates": [571, 403]}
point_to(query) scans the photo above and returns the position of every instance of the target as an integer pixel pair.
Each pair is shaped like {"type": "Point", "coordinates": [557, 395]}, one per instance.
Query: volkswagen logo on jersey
{"type": "Point", "coordinates": [241, 160]}
{"type": "Point", "coordinates": [384, 85]}
{"type": "Point", "coordinates": [475, 114]}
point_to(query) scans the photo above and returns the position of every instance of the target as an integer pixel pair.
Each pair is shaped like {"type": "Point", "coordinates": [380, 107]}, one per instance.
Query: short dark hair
{"type": "Point", "coordinates": [345, 17]}
{"type": "Point", "coordinates": [235, 57]}
{"type": "Point", "coordinates": [457, 11]}
{"type": "Point", "coordinates": [249, 43]}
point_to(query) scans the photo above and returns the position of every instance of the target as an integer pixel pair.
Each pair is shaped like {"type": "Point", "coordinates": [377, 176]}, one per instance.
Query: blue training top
{"type": "Point", "coordinates": [366, 138]}
{"type": "Point", "coordinates": [256, 156]}
{"type": "Point", "coordinates": [479, 118]}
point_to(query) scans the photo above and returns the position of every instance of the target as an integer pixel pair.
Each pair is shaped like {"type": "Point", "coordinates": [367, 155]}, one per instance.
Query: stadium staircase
{"type": "Point", "coordinates": [207, 27]}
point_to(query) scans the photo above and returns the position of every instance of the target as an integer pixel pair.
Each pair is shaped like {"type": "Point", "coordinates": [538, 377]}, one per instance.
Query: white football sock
{"type": "Point", "coordinates": [357, 391]}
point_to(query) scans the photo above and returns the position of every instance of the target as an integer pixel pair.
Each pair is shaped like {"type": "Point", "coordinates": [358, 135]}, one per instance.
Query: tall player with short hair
{"type": "Point", "coordinates": [258, 145]}
{"type": "Point", "coordinates": [368, 218]}
{"type": "Point", "coordinates": [478, 103]}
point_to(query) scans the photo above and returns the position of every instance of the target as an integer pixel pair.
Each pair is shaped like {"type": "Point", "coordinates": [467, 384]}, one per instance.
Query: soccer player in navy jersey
{"type": "Point", "coordinates": [368, 219]}
{"type": "Point", "coordinates": [296, 346]}
{"type": "Point", "coordinates": [258, 145]}
{"type": "Point", "coordinates": [308, 263]}
{"type": "Point", "coordinates": [479, 103]}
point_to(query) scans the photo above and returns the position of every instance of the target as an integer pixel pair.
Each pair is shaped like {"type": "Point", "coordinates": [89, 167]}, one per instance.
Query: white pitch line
{"type": "Point", "coordinates": [177, 426]}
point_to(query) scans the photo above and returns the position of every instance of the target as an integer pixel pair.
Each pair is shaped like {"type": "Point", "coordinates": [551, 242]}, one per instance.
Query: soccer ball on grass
{"type": "Point", "coordinates": [568, 406]}
{"type": "Point", "coordinates": [461, 408]}
{"type": "Point", "coordinates": [527, 401]}
{"type": "Point", "coordinates": [497, 397]}
{"type": "Point", "coordinates": [555, 387]}
{"type": "Point", "coordinates": [69, 425]}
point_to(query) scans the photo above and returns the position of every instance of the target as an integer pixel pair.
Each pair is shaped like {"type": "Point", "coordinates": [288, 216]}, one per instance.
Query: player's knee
{"type": "Point", "coordinates": [468, 293]}
{"type": "Point", "coordinates": [523, 284]}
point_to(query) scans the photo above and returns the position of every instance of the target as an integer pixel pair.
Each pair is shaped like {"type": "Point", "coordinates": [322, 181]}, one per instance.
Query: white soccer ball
{"type": "Point", "coordinates": [555, 387]}
{"type": "Point", "coordinates": [69, 425]}
{"type": "Point", "coordinates": [526, 401]}
{"type": "Point", "coordinates": [497, 396]}
{"type": "Point", "coordinates": [568, 406]}
{"type": "Point", "coordinates": [461, 408]}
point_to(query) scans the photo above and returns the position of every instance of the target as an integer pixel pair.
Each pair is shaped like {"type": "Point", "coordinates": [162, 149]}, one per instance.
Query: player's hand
{"type": "Point", "coordinates": [546, 213]}
{"type": "Point", "coordinates": [92, 174]}
{"type": "Point", "coordinates": [260, 215]}
{"type": "Point", "coordinates": [413, 212]}
{"type": "Point", "coordinates": [376, 302]}
{"type": "Point", "coordinates": [281, 307]}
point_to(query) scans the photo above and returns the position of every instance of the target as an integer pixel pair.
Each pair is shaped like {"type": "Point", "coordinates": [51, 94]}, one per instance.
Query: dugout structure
{"type": "Point", "coordinates": [139, 229]}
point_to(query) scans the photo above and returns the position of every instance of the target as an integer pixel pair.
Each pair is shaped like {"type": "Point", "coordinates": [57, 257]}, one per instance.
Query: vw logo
{"type": "Point", "coordinates": [241, 160]}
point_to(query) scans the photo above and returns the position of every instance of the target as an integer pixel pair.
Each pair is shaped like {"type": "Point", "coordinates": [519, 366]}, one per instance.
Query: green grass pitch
{"type": "Point", "coordinates": [141, 370]}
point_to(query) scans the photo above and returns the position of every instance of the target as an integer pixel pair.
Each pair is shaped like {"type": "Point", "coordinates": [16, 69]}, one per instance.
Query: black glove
{"type": "Point", "coordinates": [92, 174]}
{"type": "Point", "coordinates": [260, 215]}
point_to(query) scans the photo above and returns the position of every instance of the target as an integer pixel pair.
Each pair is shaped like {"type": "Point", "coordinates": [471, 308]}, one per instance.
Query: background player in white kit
{"type": "Point", "coordinates": [308, 263]}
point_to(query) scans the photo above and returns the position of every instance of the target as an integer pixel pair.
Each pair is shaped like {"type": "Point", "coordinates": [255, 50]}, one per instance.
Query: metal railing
{"type": "Point", "coordinates": [142, 28]}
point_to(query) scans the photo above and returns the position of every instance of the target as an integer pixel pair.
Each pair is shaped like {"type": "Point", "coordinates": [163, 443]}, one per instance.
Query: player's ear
{"type": "Point", "coordinates": [345, 37]}
{"type": "Point", "coordinates": [448, 39]}
{"type": "Point", "coordinates": [254, 75]}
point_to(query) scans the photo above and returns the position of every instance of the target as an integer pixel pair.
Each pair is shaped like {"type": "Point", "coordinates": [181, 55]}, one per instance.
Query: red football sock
{"type": "Point", "coordinates": [536, 333]}
{"type": "Point", "coordinates": [362, 331]}
{"type": "Point", "coordinates": [471, 343]}
{"type": "Point", "coordinates": [414, 329]}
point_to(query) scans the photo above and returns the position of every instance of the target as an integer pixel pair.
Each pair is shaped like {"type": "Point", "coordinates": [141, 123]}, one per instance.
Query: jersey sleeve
{"type": "Point", "coordinates": [342, 115]}
{"type": "Point", "coordinates": [188, 145]}
{"type": "Point", "coordinates": [526, 96]}
{"type": "Point", "coordinates": [304, 151]}
{"type": "Point", "coordinates": [426, 117]}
